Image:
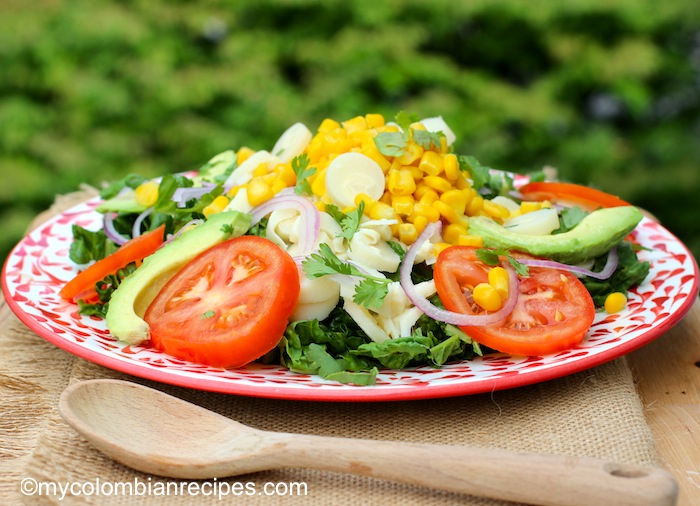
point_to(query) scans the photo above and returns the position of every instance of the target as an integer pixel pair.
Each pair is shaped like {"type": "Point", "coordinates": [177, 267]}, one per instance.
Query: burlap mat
{"type": "Point", "coordinates": [593, 413]}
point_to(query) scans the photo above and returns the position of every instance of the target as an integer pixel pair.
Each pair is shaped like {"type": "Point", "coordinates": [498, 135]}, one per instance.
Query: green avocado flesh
{"type": "Point", "coordinates": [593, 236]}
{"type": "Point", "coordinates": [133, 296]}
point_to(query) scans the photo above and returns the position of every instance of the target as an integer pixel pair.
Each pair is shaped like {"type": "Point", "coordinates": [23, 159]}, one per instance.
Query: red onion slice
{"type": "Point", "coordinates": [444, 315]}
{"type": "Point", "coordinates": [310, 218]}
{"type": "Point", "coordinates": [136, 231]}
{"type": "Point", "coordinates": [108, 225]}
{"type": "Point", "coordinates": [182, 195]}
{"type": "Point", "coordinates": [605, 273]}
{"type": "Point", "coordinates": [191, 223]}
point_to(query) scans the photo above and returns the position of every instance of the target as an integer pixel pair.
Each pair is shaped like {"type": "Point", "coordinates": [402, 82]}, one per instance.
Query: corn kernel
{"type": "Point", "coordinates": [475, 241]}
{"type": "Point", "coordinates": [496, 210]}
{"type": "Point", "coordinates": [452, 233]}
{"type": "Point", "coordinates": [451, 167]}
{"type": "Point", "coordinates": [487, 297]}
{"type": "Point", "coordinates": [401, 182]}
{"type": "Point", "coordinates": [234, 191]}
{"type": "Point", "coordinates": [216, 206]}
{"type": "Point", "coordinates": [320, 205]}
{"type": "Point", "coordinates": [355, 124]}
{"type": "Point", "coordinates": [369, 149]}
{"type": "Point", "coordinates": [146, 194]}
{"type": "Point", "coordinates": [261, 170]}
{"type": "Point", "coordinates": [369, 202]}
{"type": "Point", "coordinates": [456, 199]}
{"type": "Point", "coordinates": [258, 191]}
{"type": "Point", "coordinates": [498, 278]}
{"type": "Point", "coordinates": [402, 204]}
{"type": "Point", "coordinates": [430, 213]}
{"type": "Point", "coordinates": [382, 211]}
{"type": "Point", "coordinates": [412, 153]}
{"type": "Point", "coordinates": [407, 233]}
{"type": "Point", "coordinates": [386, 198]}
{"type": "Point", "coordinates": [286, 174]}
{"type": "Point", "coordinates": [328, 125]}
{"type": "Point", "coordinates": [421, 190]}
{"type": "Point", "coordinates": [437, 183]}
{"type": "Point", "coordinates": [374, 120]}
{"type": "Point", "coordinates": [475, 205]}
{"type": "Point", "coordinates": [528, 207]}
{"type": "Point", "coordinates": [420, 222]}
{"type": "Point", "coordinates": [278, 185]}
{"type": "Point", "coordinates": [429, 198]}
{"type": "Point", "coordinates": [318, 185]}
{"type": "Point", "coordinates": [417, 125]}
{"type": "Point", "coordinates": [439, 247]}
{"type": "Point", "coordinates": [462, 182]}
{"type": "Point", "coordinates": [615, 302]}
{"type": "Point", "coordinates": [431, 163]}
{"type": "Point", "coordinates": [447, 212]}
{"type": "Point", "coordinates": [243, 154]}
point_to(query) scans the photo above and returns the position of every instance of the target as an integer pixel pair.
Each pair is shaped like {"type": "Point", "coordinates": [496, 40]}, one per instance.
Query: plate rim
{"type": "Point", "coordinates": [346, 393]}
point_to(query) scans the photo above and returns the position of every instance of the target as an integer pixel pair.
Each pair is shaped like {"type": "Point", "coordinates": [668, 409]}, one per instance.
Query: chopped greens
{"type": "Point", "coordinates": [337, 349]}
{"type": "Point", "coordinates": [570, 217]}
{"type": "Point", "coordinates": [630, 272]}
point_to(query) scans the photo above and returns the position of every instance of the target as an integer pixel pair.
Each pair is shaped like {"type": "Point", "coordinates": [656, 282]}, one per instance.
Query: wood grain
{"type": "Point", "coordinates": [667, 374]}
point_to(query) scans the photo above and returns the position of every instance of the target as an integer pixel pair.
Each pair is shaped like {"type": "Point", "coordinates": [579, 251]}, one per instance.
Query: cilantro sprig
{"type": "Point", "coordinates": [492, 257]}
{"type": "Point", "coordinates": [395, 143]}
{"type": "Point", "coordinates": [369, 292]}
{"type": "Point", "coordinates": [300, 166]}
{"type": "Point", "coordinates": [349, 222]}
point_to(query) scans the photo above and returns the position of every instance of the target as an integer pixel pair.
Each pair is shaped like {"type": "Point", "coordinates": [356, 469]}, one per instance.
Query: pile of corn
{"type": "Point", "coordinates": [422, 185]}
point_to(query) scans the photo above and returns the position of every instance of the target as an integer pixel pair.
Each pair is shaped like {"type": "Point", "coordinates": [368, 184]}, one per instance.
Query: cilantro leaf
{"type": "Point", "coordinates": [426, 139]}
{"type": "Point", "coordinates": [390, 143]}
{"type": "Point", "coordinates": [300, 166]}
{"type": "Point", "coordinates": [326, 262]}
{"type": "Point", "coordinates": [569, 218]}
{"type": "Point", "coordinates": [350, 222]}
{"type": "Point", "coordinates": [492, 257]}
{"type": "Point", "coordinates": [208, 314]}
{"type": "Point", "coordinates": [404, 120]}
{"type": "Point", "coordinates": [369, 292]}
{"type": "Point", "coordinates": [398, 249]}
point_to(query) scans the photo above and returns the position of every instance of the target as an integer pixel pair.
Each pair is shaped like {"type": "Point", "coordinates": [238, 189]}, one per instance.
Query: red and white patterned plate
{"type": "Point", "coordinates": [39, 265]}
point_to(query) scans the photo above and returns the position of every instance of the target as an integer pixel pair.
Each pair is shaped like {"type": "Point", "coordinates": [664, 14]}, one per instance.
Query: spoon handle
{"type": "Point", "coordinates": [486, 472]}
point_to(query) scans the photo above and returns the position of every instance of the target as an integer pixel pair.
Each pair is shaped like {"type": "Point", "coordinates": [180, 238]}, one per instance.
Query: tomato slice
{"type": "Point", "coordinates": [570, 193]}
{"type": "Point", "coordinates": [554, 310]}
{"type": "Point", "coordinates": [228, 306]}
{"type": "Point", "coordinates": [82, 286]}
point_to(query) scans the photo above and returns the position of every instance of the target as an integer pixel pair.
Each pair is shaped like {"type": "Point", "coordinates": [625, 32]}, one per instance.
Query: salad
{"type": "Point", "coordinates": [365, 245]}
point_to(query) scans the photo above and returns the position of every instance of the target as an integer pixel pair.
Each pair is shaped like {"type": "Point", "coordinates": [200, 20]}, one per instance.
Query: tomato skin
{"type": "Point", "coordinates": [545, 297]}
{"type": "Point", "coordinates": [228, 306]}
{"type": "Point", "coordinates": [584, 196]}
{"type": "Point", "coordinates": [82, 286]}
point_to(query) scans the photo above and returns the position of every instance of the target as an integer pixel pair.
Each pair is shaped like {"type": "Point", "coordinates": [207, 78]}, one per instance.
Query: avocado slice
{"type": "Point", "coordinates": [594, 235]}
{"type": "Point", "coordinates": [133, 296]}
{"type": "Point", "coordinates": [122, 203]}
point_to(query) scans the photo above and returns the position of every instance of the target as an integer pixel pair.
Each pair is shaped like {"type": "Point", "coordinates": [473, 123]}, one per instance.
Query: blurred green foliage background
{"type": "Point", "coordinates": [607, 91]}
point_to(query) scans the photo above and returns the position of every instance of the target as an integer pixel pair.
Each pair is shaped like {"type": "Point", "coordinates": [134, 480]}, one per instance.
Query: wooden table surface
{"type": "Point", "coordinates": [667, 373]}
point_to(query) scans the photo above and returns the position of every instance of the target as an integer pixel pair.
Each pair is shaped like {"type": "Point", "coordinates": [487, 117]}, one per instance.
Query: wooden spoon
{"type": "Point", "coordinates": [159, 434]}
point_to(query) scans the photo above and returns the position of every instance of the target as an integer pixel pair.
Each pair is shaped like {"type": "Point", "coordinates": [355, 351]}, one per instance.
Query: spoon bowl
{"type": "Point", "coordinates": [160, 434]}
